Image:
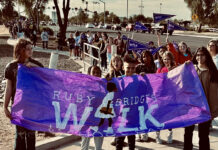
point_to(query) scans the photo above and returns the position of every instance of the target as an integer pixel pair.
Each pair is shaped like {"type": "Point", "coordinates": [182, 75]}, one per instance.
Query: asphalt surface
{"type": "Point", "coordinates": [193, 41]}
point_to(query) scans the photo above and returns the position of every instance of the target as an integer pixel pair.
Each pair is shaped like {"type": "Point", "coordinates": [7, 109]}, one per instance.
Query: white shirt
{"type": "Point", "coordinates": [215, 60]}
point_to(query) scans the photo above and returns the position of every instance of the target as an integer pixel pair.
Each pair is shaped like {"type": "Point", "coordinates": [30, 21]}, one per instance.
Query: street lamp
{"type": "Point", "coordinates": [160, 7]}
{"type": "Point", "coordinates": [104, 10]}
{"type": "Point", "coordinates": [127, 12]}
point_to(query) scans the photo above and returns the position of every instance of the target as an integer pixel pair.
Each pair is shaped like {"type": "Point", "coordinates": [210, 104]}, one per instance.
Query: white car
{"type": "Point", "coordinates": [89, 25]}
{"type": "Point", "coordinates": [100, 26]}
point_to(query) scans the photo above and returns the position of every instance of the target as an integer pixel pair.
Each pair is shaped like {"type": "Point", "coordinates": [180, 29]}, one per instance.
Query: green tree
{"type": "Point", "coordinates": [95, 17]}
{"type": "Point", "coordinates": [82, 17]}
{"type": "Point", "coordinates": [34, 8]}
{"type": "Point", "coordinates": [112, 18]}
{"type": "Point", "coordinates": [101, 17]}
{"type": "Point", "coordinates": [131, 20]}
{"type": "Point", "coordinates": [139, 18]}
{"type": "Point", "coordinates": [206, 10]}
{"type": "Point", "coordinates": [7, 10]}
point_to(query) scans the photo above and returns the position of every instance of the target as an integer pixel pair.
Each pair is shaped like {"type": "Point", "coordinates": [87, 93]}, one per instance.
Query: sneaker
{"type": "Point", "coordinates": [94, 128]}
{"type": "Point", "coordinates": [109, 130]}
{"type": "Point", "coordinates": [145, 137]}
{"type": "Point", "coordinates": [158, 139]}
{"type": "Point", "coordinates": [139, 140]}
{"type": "Point", "coordinates": [170, 137]}
{"type": "Point", "coordinates": [113, 143]}
{"type": "Point", "coordinates": [125, 144]}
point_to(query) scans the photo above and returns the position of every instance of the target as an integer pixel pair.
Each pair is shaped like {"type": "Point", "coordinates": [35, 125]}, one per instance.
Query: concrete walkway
{"type": "Point", "coordinates": [151, 144]}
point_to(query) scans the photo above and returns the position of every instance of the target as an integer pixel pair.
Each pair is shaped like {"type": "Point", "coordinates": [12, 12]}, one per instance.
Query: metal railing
{"type": "Point", "coordinates": [88, 57]}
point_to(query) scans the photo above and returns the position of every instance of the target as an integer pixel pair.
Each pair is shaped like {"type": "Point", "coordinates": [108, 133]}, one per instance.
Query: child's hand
{"type": "Point", "coordinates": [142, 74]}
{"type": "Point", "coordinates": [108, 78]}
{"type": "Point", "coordinates": [188, 62]}
{"type": "Point", "coordinates": [29, 64]}
{"type": "Point", "coordinates": [7, 113]}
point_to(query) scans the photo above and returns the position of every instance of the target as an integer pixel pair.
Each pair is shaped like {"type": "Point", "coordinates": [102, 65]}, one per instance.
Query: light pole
{"type": "Point", "coordinates": [104, 10]}
{"type": "Point", "coordinates": [160, 7]}
{"type": "Point", "coordinates": [127, 12]}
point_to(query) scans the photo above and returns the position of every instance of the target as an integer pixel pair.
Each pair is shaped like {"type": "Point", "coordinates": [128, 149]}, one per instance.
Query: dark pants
{"type": "Point", "coordinates": [45, 44]}
{"type": "Point", "coordinates": [203, 134]}
{"type": "Point", "coordinates": [104, 60]}
{"type": "Point", "coordinates": [25, 139]}
{"type": "Point", "coordinates": [120, 141]}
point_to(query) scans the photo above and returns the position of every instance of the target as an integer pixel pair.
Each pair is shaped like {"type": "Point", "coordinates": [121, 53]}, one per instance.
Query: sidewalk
{"type": "Point", "coordinates": [151, 144]}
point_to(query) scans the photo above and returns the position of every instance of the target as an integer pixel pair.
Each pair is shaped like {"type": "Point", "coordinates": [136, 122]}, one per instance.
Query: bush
{"type": "Point", "coordinates": [49, 30]}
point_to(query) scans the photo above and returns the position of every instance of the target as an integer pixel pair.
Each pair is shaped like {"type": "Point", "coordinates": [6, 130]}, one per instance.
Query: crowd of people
{"type": "Point", "coordinates": [21, 28]}
{"type": "Point", "coordinates": [127, 63]}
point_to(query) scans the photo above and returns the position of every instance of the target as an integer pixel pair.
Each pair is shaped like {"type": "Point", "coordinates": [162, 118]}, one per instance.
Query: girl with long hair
{"type": "Point", "coordinates": [208, 74]}
{"type": "Point", "coordinates": [212, 47]}
{"type": "Point", "coordinates": [147, 63]}
{"type": "Point", "coordinates": [25, 138]}
{"type": "Point", "coordinates": [168, 64]}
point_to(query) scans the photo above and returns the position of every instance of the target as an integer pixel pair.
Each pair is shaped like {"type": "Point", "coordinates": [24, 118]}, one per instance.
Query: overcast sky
{"type": "Point", "coordinates": [119, 7]}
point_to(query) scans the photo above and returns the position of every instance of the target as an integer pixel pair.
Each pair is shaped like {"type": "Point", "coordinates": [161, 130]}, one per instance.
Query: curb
{"type": "Point", "coordinates": [56, 141]}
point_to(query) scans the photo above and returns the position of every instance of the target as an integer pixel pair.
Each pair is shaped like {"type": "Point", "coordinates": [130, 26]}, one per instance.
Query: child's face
{"type": "Point", "coordinates": [95, 72]}
{"type": "Point", "coordinates": [212, 48]}
{"type": "Point", "coordinates": [161, 52]}
{"type": "Point", "coordinates": [28, 51]}
{"type": "Point", "coordinates": [117, 64]}
{"type": "Point", "coordinates": [110, 40]}
{"type": "Point", "coordinates": [166, 60]}
{"type": "Point", "coordinates": [182, 48]}
{"type": "Point", "coordinates": [129, 68]}
{"type": "Point", "coordinates": [201, 58]}
{"type": "Point", "coordinates": [146, 59]}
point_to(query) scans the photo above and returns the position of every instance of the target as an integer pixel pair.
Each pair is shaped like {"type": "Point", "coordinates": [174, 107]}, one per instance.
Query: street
{"type": "Point", "coordinates": [193, 41]}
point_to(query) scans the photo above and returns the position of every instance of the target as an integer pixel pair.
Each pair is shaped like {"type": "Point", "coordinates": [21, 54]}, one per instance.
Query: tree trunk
{"type": "Point", "coordinates": [199, 29]}
{"type": "Point", "coordinates": [62, 25]}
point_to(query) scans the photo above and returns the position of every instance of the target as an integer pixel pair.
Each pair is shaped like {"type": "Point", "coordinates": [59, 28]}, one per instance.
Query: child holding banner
{"type": "Point", "coordinates": [208, 74]}
{"type": "Point", "coordinates": [94, 71]}
{"type": "Point", "coordinates": [25, 138]}
{"type": "Point", "coordinates": [116, 68]}
{"type": "Point", "coordinates": [129, 69]}
{"type": "Point", "coordinates": [147, 66]}
{"type": "Point", "coordinates": [168, 64]}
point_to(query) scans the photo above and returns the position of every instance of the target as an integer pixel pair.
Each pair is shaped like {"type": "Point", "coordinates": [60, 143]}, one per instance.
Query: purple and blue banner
{"type": "Point", "coordinates": [159, 17]}
{"type": "Point", "coordinates": [61, 101]}
{"type": "Point", "coordinates": [173, 26]}
{"type": "Point", "coordinates": [139, 26]}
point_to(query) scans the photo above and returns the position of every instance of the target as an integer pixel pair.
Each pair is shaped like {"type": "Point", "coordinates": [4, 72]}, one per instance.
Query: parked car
{"type": "Point", "coordinates": [100, 26]}
{"type": "Point", "coordinates": [148, 25]}
{"type": "Point", "coordinates": [161, 28]}
{"type": "Point", "coordinates": [116, 27]}
{"type": "Point", "coordinates": [52, 24]}
{"type": "Point", "coordinates": [130, 27]}
{"type": "Point", "coordinates": [89, 25]}
{"type": "Point", "coordinates": [107, 26]}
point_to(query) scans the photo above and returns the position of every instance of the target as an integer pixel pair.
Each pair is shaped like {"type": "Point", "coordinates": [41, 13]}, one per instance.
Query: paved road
{"type": "Point", "coordinates": [192, 40]}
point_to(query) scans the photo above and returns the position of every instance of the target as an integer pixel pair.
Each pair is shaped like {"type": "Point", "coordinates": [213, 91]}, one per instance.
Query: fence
{"type": "Point", "coordinates": [88, 57]}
